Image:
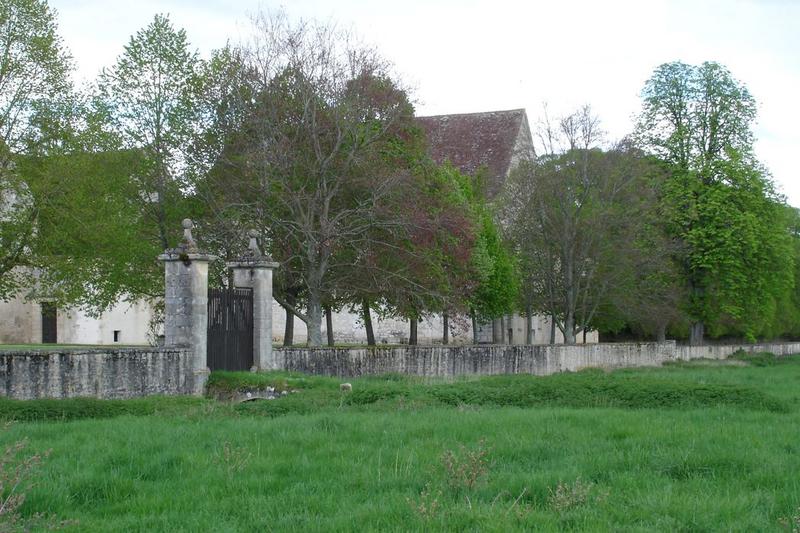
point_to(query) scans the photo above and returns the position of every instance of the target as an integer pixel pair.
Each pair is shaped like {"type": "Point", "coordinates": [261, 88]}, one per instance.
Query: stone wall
{"type": "Point", "coordinates": [133, 372]}
{"type": "Point", "coordinates": [723, 351]}
{"type": "Point", "coordinates": [449, 361]}
{"type": "Point", "coordinates": [99, 373]}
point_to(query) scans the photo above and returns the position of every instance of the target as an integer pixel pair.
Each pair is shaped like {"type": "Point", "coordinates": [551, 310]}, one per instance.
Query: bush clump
{"type": "Point", "coordinates": [760, 358]}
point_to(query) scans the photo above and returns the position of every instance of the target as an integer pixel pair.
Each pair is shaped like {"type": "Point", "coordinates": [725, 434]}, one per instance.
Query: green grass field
{"type": "Point", "coordinates": [691, 447]}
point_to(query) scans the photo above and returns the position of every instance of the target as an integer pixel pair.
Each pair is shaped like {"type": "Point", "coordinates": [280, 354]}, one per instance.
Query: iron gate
{"type": "Point", "coordinates": [230, 329]}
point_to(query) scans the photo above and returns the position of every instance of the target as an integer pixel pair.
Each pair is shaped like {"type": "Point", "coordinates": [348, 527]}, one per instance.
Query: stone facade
{"type": "Point", "coordinates": [124, 323]}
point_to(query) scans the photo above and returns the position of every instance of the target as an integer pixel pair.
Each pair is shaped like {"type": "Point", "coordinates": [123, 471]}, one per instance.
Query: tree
{"type": "Point", "coordinates": [34, 70]}
{"type": "Point", "coordinates": [719, 201]}
{"type": "Point", "coordinates": [494, 270]}
{"type": "Point", "coordinates": [431, 265]}
{"type": "Point", "coordinates": [574, 215]}
{"type": "Point", "coordinates": [314, 160]}
{"type": "Point", "coordinates": [151, 98]}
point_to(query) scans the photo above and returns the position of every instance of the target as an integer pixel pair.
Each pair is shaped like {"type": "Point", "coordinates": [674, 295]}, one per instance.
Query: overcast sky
{"type": "Point", "coordinates": [479, 55]}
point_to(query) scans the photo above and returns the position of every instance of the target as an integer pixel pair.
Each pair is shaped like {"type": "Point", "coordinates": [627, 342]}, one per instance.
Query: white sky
{"type": "Point", "coordinates": [480, 55]}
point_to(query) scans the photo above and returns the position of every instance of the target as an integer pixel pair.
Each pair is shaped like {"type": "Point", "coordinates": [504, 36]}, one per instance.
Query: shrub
{"type": "Point", "coordinates": [466, 468]}
{"type": "Point", "coordinates": [427, 505]}
{"type": "Point", "coordinates": [375, 393]}
{"type": "Point", "coordinates": [568, 496]}
{"type": "Point", "coordinates": [758, 359]}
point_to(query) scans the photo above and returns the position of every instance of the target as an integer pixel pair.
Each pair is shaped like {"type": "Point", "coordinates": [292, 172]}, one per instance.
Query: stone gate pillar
{"type": "Point", "coordinates": [186, 303]}
{"type": "Point", "coordinates": [254, 270]}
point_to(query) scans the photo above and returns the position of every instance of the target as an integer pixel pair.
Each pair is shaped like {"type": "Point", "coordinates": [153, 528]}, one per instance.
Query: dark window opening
{"type": "Point", "coordinates": [117, 335]}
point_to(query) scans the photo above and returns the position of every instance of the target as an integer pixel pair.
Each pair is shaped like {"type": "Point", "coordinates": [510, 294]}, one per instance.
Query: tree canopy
{"type": "Point", "coordinates": [719, 201]}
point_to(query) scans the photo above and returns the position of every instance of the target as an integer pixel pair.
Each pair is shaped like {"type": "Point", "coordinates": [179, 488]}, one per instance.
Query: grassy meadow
{"type": "Point", "coordinates": [705, 446]}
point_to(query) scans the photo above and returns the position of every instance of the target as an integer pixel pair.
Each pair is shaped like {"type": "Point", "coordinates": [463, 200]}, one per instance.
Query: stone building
{"type": "Point", "coordinates": [489, 143]}
{"type": "Point", "coordinates": [33, 322]}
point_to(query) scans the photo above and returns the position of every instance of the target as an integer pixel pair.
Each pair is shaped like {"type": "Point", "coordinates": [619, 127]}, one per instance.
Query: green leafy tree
{"type": "Point", "coordinates": [151, 96]}
{"type": "Point", "coordinates": [574, 215]}
{"type": "Point", "coordinates": [496, 278]}
{"type": "Point", "coordinates": [434, 254]}
{"type": "Point", "coordinates": [34, 71]}
{"type": "Point", "coordinates": [326, 113]}
{"type": "Point", "coordinates": [719, 201]}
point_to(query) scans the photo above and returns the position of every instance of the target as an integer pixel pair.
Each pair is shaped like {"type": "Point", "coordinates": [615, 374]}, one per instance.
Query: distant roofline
{"type": "Point", "coordinates": [522, 109]}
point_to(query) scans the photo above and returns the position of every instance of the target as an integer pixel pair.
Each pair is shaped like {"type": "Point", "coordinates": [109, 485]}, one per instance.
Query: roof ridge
{"type": "Point", "coordinates": [515, 110]}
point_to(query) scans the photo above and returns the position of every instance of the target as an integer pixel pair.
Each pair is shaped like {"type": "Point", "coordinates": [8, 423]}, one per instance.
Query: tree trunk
{"type": "Point", "coordinates": [569, 329]}
{"type": "Point", "coordinates": [552, 329]}
{"type": "Point", "coordinates": [696, 334]}
{"type": "Point", "coordinates": [314, 323]}
{"type": "Point", "coordinates": [367, 317]}
{"type": "Point", "coordinates": [445, 329]}
{"type": "Point", "coordinates": [584, 335]}
{"type": "Point", "coordinates": [412, 338]}
{"type": "Point", "coordinates": [288, 330]}
{"type": "Point", "coordinates": [497, 331]}
{"type": "Point", "coordinates": [329, 324]}
{"type": "Point", "coordinates": [661, 334]}
{"type": "Point", "coordinates": [528, 325]}
{"type": "Point", "coordinates": [474, 326]}
{"type": "Point", "coordinates": [697, 331]}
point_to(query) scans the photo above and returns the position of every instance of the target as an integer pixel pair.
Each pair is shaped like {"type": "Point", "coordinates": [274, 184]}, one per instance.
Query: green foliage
{"type": "Point", "coordinates": [150, 96]}
{"type": "Point", "coordinates": [34, 69]}
{"type": "Point", "coordinates": [737, 257]}
{"type": "Point", "coordinates": [581, 220]}
{"type": "Point", "coordinates": [496, 273]}
{"type": "Point", "coordinates": [34, 72]}
{"type": "Point", "coordinates": [93, 244]}
{"type": "Point", "coordinates": [761, 358]}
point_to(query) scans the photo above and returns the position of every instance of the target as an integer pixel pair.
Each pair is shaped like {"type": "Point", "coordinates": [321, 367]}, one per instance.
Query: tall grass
{"type": "Point", "coordinates": [452, 457]}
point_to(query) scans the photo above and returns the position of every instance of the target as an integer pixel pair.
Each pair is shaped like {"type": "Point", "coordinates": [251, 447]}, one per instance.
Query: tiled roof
{"type": "Point", "coordinates": [472, 140]}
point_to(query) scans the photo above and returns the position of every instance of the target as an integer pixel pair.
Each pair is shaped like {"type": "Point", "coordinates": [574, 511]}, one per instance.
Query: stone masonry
{"type": "Point", "coordinates": [186, 302]}
{"type": "Point", "coordinates": [254, 270]}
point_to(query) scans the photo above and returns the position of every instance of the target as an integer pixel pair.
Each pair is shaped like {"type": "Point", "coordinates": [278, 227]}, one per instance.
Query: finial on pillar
{"type": "Point", "coordinates": [253, 249]}
{"type": "Point", "coordinates": [188, 244]}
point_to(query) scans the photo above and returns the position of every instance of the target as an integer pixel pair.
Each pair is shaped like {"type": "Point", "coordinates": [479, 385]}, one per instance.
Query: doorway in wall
{"type": "Point", "coordinates": [49, 323]}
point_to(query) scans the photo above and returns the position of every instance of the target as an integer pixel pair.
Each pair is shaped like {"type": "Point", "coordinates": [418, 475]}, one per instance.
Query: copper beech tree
{"type": "Point", "coordinates": [327, 162]}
